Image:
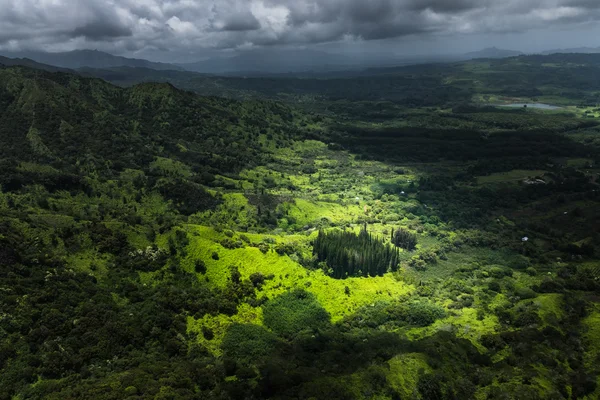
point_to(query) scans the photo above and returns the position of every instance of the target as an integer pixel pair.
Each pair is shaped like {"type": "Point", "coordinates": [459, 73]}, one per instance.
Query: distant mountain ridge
{"type": "Point", "coordinates": [582, 50]}
{"type": "Point", "coordinates": [273, 61]}
{"type": "Point", "coordinates": [26, 62]}
{"type": "Point", "coordinates": [493, 52]}
{"type": "Point", "coordinates": [89, 58]}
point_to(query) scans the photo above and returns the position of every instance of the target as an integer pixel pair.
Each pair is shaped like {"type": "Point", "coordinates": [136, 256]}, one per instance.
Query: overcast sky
{"type": "Point", "coordinates": [184, 30]}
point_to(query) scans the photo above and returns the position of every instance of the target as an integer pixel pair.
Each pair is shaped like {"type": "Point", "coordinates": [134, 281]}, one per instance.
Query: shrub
{"type": "Point", "coordinates": [235, 274]}
{"type": "Point", "coordinates": [494, 286]}
{"type": "Point", "coordinates": [200, 267]}
{"type": "Point", "coordinates": [531, 271]}
{"type": "Point", "coordinates": [248, 343]}
{"type": "Point", "coordinates": [208, 333]}
{"type": "Point", "coordinates": [500, 272]}
{"type": "Point", "coordinates": [404, 239]}
{"type": "Point", "coordinates": [293, 312]}
{"type": "Point", "coordinates": [525, 293]}
{"type": "Point", "coordinates": [257, 279]}
{"type": "Point", "coordinates": [231, 244]}
{"type": "Point", "coordinates": [264, 248]}
{"type": "Point", "coordinates": [423, 313]}
{"type": "Point", "coordinates": [519, 262]}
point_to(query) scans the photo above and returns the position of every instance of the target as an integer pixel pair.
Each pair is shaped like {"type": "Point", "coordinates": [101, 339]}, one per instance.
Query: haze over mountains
{"type": "Point", "coordinates": [88, 58]}
{"type": "Point", "coordinates": [493, 52]}
{"type": "Point", "coordinates": [255, 62]}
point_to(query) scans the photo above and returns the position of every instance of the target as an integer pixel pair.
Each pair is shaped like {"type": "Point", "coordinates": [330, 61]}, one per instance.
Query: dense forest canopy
{"type": "Point", "coordinates": [195, 237]}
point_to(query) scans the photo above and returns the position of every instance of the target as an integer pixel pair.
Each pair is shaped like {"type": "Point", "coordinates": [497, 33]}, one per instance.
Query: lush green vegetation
{"type": "Point", "coordinates": [157, 244]}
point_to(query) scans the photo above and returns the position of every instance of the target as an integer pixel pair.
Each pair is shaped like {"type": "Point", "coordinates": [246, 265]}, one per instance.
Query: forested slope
{"type": "Point", "coordinates": [157, 244]}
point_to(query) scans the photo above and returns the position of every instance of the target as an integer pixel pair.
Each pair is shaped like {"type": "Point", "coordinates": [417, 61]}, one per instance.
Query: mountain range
{"type": "Point", "coordinates": [88, 58]}
{"type": "Point", "coordinates": [584, 50]}
{"type": "Point", "coordinates": [260, 62]}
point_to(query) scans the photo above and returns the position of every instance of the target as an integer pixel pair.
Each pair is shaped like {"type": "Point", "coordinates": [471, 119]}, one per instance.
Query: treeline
{"type": "Point", "coordinates": [525, 145]}
{"type": "Point", "coordinates": [350, 254]}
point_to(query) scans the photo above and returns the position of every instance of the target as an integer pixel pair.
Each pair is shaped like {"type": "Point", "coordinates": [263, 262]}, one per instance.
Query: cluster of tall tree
{"type": "Point", "coordinates": [404, 239]}
{"type": "Point", "coordinates": [349, 254]}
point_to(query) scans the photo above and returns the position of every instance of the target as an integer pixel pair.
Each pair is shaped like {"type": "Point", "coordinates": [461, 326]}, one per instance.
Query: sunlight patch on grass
{"type": "Point", "coordinates": [89, 261]}
{"type": "Point", "coordinates": [287, 274]}
{"type": "Point", "coordinates": [218, 325]}
{"type": "Point", "coordinates": [465, 324]}
{"type": "Point", "coordinates": [404, 372]}
{"type": "Point", "coordinates": [551, 308]}
{"type": "Point", "coordinates": [306, 212]}
{"type": "Point", "coordinates": [592, 336]}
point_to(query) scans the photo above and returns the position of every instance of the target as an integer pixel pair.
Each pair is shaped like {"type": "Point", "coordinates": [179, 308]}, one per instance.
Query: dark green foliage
{"type": "Point", "coordinates": [207, 333]}
{"type": "Point", "coordinates": [249, 344]}
{"type": "Point", "coordinates": [76, 322]}
{"type": "Point", "coordinates": [188, 197]}
{"type": "Point", "coordinates": [200, 267]}
{"type": "Point", "coordinates": [294, 312]}
{"type": "Point", "coordinates": [257, 279]}
{"type": "Point", "coordinates": [235, 274]}
{"type": "Point", "coordinates": [423, 313]}
{"type": "Point", "coordinates": [404, 239]}
{"type": "Point", "coordinates": [348, 254]}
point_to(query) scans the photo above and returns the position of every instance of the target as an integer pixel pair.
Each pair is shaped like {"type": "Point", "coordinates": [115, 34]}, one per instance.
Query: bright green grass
{"type": "Point", "coordinates": [89, 261]}
{"type": "Point", "coordinates": [170, 167]}
{"type": "Point", "coordinates": [511, 176]}
{"type": "Point", "coordinates": [550, 308]}
{"type": "Point", "coordinates": [306, 212]}
{"type": "Point", "coordinates": [233, 211]}
{"type": "Point", "coordinates": [404, 371]}
{"type": "Point", "coordinates": [287, 275]}
{"type": "Point", "coordinates": [465, 324]}
{"type": "Point", "coordinates": [135, 236]}
{"type": "Point", "coordinates": [219, 325]}
{"type": "Point", "coordinates": [592, 335]}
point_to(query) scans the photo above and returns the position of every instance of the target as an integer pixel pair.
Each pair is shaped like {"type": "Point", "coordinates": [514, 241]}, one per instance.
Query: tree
{"type": "Point", "coordinates": [404, 239]}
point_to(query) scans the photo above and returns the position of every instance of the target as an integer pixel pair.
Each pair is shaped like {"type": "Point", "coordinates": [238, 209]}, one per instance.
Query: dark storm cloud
{"type": "Point", "coordinates": [237, 22]}
{"type": "Point", "coordinates": [98, 30]}
{"type": "Point", "coordinates": [190, 25]}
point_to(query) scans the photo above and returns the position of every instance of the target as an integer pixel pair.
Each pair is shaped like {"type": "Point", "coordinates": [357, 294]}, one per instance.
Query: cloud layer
{"type": "Point", "coordinates": [192, 25]}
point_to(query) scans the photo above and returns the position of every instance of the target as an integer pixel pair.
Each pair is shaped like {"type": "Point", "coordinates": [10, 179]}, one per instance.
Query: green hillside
{"type": "Point", "coordinates": [156, 244]}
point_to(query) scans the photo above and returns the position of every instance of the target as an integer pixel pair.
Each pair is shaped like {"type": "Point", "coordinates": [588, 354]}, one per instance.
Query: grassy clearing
{"type": "Point", "coordinates": [551, 308]}
{"type": "Point", "coordinates": [464, 324]}
{"type": "Point", "coordinates": [404, 371]}
{"type": "Point", "coordinates": [219, 324]}
{"type": "Point", "coordinates": [288, 274]}
{"type": "Point", "coordinates": [306, 212]}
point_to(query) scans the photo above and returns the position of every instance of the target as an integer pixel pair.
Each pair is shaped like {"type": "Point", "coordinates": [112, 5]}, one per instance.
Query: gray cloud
{"type": "Point", "coordinates": [188, 27]}
{"type": "Point", "coordinates": [100, 30]}
{"type": "Point", "coordinates": [236, 22]}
